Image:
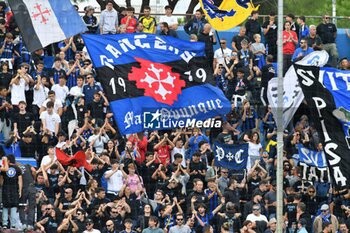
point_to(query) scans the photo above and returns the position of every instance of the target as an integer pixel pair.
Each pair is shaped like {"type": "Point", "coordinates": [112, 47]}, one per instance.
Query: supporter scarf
{"type": "Point", "coordinates": [326, 218]}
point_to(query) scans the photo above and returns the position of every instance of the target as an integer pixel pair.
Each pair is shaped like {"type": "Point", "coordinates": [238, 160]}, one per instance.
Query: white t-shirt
{"type": "Point", "coordinates": [220, 58]}
{"type": "Point", "coordinates": [182, 151]}
{"type": "Point", "coordinates": [40, 95]}
{"type": "Point", "coordinates": [255, 218]}
{"type": "Point", "coordinates": [92, 231]}
{"type": "Point", "coordinates": [76, 91]}
{"type": "Point", "coordinates": [170, 20]}
{"type": "Point", "coordinates": [50, 120]}
{"type": "Point", "coordinates": [18, 92]}
{"type": "Point", "coordinates": [57, 104]}
{"type": "Point", "coordinates": [61, 92]}
{"type": "Point", "coordinates": [99, 142]}
{"type": "Point", "coordinates": [46, 160]}
{"type": "Point", "coordinates": [115, 182]}
{"type": "Point", "coordinates": [254, 149]}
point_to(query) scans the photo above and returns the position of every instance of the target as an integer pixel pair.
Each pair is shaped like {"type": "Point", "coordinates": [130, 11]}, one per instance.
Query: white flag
{"type": "Point", "coordinates": [292, 93]}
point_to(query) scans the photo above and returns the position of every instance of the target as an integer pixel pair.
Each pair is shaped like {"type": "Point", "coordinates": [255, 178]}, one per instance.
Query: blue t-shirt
{"type": "Point", "coordinates": [299, 51]}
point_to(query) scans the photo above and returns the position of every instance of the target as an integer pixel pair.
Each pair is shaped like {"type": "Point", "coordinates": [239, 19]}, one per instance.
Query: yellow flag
{"type": "Point", "coordinates": [229, 14]}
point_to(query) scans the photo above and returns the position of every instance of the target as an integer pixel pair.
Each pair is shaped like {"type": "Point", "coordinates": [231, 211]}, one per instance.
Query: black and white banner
{"type": "Point", "coordinates": [314, 165]}
{"type": "Point", "coordinates": [330, 130]}
{"type": "Point", "coordinates": [292, 94]}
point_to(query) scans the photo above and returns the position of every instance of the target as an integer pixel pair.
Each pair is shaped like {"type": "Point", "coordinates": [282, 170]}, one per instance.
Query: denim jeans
{"type": "Point", "coordinates": [13, 217]}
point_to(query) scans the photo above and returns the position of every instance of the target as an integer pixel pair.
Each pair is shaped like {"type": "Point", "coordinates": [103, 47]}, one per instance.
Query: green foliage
{"type": "Point", "coordinates": [318, 8]}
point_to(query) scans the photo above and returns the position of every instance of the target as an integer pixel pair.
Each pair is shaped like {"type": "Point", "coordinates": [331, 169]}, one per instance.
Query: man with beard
{"type": "Point", "coordinates": [302, 51]}
{"type": "Point", "coordinates": [328, 33]}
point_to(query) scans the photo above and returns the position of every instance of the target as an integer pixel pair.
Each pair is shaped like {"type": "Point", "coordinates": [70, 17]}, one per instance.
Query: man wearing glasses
{"type": "Point", "coordinates": [325, 216]}
{"type": "Point", "coordinates": [302, 51]}
{"type": "Point", "coordinates": [80, 220]}
{"type": "Point", "coordinates": [90, 227]}
{"type": "Point", "coordinates": [110, 227]}
{"type": "Point", "coordinates": [180, 227]}
{"type": "Point", "coordinates": [328, 32]}
{"type": "Point", "coordinates": [256, 215]}
{"type": "Point", "coordinates": [221, 58]}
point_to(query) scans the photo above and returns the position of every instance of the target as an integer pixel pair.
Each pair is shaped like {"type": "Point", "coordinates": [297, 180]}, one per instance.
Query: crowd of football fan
{"type": "Point", "coordinates": [156, 181]}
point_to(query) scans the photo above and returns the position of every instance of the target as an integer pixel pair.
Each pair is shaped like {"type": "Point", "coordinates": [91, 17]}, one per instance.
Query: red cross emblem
{"type": "Point", "coordinates": [157, 80]}
{"type": "Point", "coordinates": [41, 13]}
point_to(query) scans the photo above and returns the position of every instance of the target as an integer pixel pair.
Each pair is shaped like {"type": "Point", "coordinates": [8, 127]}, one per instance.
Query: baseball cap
{"type": "Point", "coordinates": [325, 207]}
{"type": "Point", "coordinates": [272, 220]}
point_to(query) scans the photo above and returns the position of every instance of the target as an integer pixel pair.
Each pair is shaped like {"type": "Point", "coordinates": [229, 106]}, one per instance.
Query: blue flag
{"type": "Point", "coordinates": [46, 21]}
{"type": "Point", "coordinates": [156, 82]}
{"type": "Point", "coordinates": [12, 149]}
{"type": "Point", "coordinates": [233, 157]}
{"type": "Point", "coordinates": [338, 83]}
{"type": "Point", "coordinates": [311, 157]}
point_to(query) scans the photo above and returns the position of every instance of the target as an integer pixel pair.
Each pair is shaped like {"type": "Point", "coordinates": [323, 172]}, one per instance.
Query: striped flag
{"type": "Point", "coordinates": [43, 22]}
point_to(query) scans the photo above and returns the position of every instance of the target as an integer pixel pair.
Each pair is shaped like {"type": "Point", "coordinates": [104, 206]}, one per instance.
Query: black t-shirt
{"type": "Point", "coordinates": [311, 42]}
{"type": "Point", "coordinates": [197, 167]}
{"type": "Point", "coordinates": [81, 226]}
{"type": "Point", "coordinates": [238, 39]}
{"type": "Point", "coordinates": [253, 27]}
{"type": "Point", "coordinates": [65, 203]}
{"type": "Point", "coordinates": [11, 176]}
{"type": "Point", "coordinates": [97, 110]}
{"type": "Point", "coordinates": [51, 225]}
{"type": "Point", "coordinates": [253, 183]}
{"type": "Point", "coordinates": [326, 32]}
{"type": "Point", "coordinates": [244, 57]}
{"type": "Point", "coordinates": [28, 149]}
{"type": "Point", "coordinates": [23, 121]}
{"type": "Point", "coordinates": [53, 180]}
{"type": "Point", "coordinates": [271, 35]}
{"type": "Point", "coordinates": [208, 40]}
{"type": "Point", "coordinates": [267, 73]}
{"type": "Point", "coordinates": [81, 110]}
{"type": "Point", "coordinates": [5, 78]}
{"type": "Point", "coordinates": [291, 210]}
{"type": "Point", "coordinates": [26, 175]}
{"type": "Point", "coordinates": [224, 137]}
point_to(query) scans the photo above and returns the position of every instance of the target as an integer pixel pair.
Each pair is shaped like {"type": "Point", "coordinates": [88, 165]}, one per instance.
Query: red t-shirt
{"type": "Point", "coordinates": [141, 146]}
{"type": "Point", "coordinates": [289, 47]}
{"type": "Point", "coordinates": [164, 154]}
{"type": "Point", "coordinates": [131, 26]}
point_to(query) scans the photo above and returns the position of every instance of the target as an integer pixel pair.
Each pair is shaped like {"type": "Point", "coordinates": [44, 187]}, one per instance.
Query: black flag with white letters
{"type": "Point", "coordinates": [329, 128]}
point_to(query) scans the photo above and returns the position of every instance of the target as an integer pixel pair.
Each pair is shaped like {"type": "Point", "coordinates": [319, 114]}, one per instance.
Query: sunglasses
{"type": "Point", "coordinates": [222, 42]}
{"type": "Point", "coordinates": [88, 224]}
{"type": "Point", "coordinates": [326, 17]}
{"type": "Point", "coordinates": [256, 209]}
{"type": "Point", "coordinates": [48, 208]}
{"type": "Point", "coordinates": [311, 191]}
{"type": "Point", "coordinates": [114, 212]}
{"type": "Point", "coordinates": [324, 210]}
{"type": "Point", "coordinates": [179, 219]}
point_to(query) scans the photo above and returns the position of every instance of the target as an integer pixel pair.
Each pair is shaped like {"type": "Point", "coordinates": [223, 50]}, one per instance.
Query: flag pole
{"type": "Point", "coordinates": [279, 172]}
{"type": "Point", "coordinates": [222, 50]}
